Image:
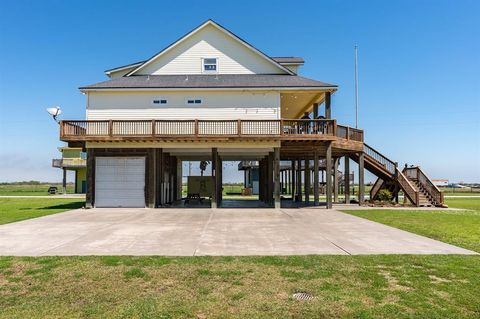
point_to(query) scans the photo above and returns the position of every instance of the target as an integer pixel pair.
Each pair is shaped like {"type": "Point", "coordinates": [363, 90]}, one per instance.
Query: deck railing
{"type": "Point", "coordinates": [298, 128]}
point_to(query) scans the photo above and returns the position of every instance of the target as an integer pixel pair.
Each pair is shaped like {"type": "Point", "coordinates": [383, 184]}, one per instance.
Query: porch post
{"type": "Point", "coordinates": [361, 179]}
{"type": "Point", "coordinates": [299, 180]}
{"type": "Point", "coordinates": [328, 110]}
{"type": "Point", "coordinates": [316, 195]}
{"type": "Point", "coordinates": [219, 180]}
{"type": "Point", "coordinates": [346, 179]}
{"type": "Point", "coordinates": [159, 176]}
{"type": "Point", "coordinates": [315, 110]}
{"type": "Point", "coordinates": [261, 183]}
{"type": "Point", "coordinates": [335, 179]}
{"type": "Point", "coordinates": [270, 178]}
{"type": "Point", "coordinates": [215, 177]}
{"type": "Point", "coordinates": [151, 178]}
{"type": "Point", "coordinates": [292, 180]}
{"type": "Point", "coordinates": [276, 176]}
{"type": "Point", "coordinates": [64, 182]}
{"type": "Point", "coordinates": [306, 176]}
{"type": "Point", "coordinates": [328, 170]}
{"type": "Point", "coordinates": [90, 195]}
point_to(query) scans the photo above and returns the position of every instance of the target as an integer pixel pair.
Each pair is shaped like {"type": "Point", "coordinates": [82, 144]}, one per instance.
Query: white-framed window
{"type": "Point", "coordinates": [159, 101]}
{"type": "Point", "coordinates": [194, 101]}
{"type": "Point", "coordinates": [209, 65]}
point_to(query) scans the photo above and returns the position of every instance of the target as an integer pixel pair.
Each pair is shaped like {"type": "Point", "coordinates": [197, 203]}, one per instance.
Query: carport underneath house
{"type": "Point", "coordinates": [130, 164]}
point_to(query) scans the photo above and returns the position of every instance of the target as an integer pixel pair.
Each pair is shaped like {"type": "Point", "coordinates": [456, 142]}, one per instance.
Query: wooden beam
{"type": "Point", "coordinates": [159, 176]}
{"type": "Point", "coordinates": [276, 177]}
{"type": "Point", "coordinates": [215, 177]}
{"type": "Point", "coordinates": [90, 195]}
{"type": "Point", "coordinates": [299, 180]}
{"type": "Point", "coordinates": [315, 110]}
{"type": "Point", "coordinates": [316, 193]}
{"type": "Point", "coordinates": [151, 178]}
{"type": "Point", "coordinates": [361, 179]}
{"type": "Point", "coordinates": [346, 179]}
{"type": "Point", "coordinates": [292, 180]}
{"type": "Point", "coordinates": [306, 176]}
{"type": "Point", "coordinates": [328, 109]}
{"type": "Point", "coordinates": [335, 179]}
{"type": "Point", "coordinates": [328, 171]}
{"type": "Point", "coordinates": [270, 178]}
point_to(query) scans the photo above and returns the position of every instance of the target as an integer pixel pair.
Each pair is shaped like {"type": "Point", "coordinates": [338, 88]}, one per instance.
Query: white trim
{"type": "Point", "coordinates": [202, 66]}
{"type": "Point", "coordinates": [230, 34]}
{"type": "Point", "coordinates": [130, 66]}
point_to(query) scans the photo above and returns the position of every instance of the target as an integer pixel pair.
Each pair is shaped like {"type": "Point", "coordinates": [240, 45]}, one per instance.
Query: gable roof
{"type": "Point", "coordinates": [288, 60]}
{"type": "Point", "coordinates": [222, 29]}
{"type": "Point", "coordinates": [220, 81]}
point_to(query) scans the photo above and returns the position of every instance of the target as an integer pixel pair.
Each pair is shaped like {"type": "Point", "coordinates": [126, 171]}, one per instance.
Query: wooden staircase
{"type": "Point", "coordinates": [416, 186]}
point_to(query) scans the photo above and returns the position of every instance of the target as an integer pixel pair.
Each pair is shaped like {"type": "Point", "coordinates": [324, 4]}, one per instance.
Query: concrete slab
{"type": "Point", "coordinates": [189, 232]}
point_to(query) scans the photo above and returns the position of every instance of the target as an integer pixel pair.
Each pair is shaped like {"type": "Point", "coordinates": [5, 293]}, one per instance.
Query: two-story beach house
{"type": "Point", "coordinates": [213, 96]}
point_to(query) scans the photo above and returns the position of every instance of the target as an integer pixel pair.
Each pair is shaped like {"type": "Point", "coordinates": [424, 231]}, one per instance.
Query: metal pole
{"type": "Point", "coordinates": [356, 86]}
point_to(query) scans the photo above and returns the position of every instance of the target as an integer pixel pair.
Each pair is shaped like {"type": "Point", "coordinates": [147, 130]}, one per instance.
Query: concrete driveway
{"type": "Point", "coordinates": [187, 232]}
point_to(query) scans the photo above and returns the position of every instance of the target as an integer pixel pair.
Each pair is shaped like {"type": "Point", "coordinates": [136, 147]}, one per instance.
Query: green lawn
{"type": "Point", "coordinates": [240, 287]}
{"type": "Point", "coordinates": [384, 286]}
{"type": "Point", "coordinates": [16, 209]}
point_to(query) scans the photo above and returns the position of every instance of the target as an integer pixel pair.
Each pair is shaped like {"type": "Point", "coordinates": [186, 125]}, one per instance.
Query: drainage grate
{"type": "Point", "coordinates": [302, 296]}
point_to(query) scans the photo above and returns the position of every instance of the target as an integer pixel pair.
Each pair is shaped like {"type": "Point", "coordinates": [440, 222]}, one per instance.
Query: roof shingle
{"type": "Point", "coordinates": [208, 81]}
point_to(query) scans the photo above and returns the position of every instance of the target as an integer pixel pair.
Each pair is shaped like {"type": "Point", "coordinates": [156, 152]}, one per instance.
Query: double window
{"type": "Point", "coordinates": [210, 65]}
{"type": "Point", "coordinates": [159, 101]}
{"type": "Point", "coordinates": [194, 101]}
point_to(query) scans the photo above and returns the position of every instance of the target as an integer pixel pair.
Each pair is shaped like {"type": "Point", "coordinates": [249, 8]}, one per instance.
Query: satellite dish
{"type": "Point", "coordinates": [54, 111]}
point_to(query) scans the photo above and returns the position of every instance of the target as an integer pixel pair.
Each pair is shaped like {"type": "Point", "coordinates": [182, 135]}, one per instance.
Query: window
{"type": "Point", "coordinates": [192, 101]}
{"type": "Point", "coordinates": [210, 65]}
{"type": "Point", "coordinates": [159, 101]}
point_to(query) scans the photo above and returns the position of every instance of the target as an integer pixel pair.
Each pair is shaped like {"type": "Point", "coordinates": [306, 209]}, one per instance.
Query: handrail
{"type": "Point", "coordinates": [409, 190]}
{"type": "Point", "coordinates": [389, 165]}
{"type": "Point", "coordinates": [297, 128]}
{"type": "Point", "coordinates": [416, 173]}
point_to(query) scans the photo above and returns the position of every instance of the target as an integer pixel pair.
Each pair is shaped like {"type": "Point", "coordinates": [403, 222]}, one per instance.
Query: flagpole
{"type": "Point", "coordinates": [356, 86]}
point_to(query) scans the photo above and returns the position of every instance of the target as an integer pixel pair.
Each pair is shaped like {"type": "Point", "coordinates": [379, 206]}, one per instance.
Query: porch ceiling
{"type": "Point", "coordinates": [294, 104]}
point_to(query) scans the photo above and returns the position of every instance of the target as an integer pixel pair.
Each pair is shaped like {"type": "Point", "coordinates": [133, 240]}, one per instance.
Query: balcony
{"type": "Point", "coordinates": [69, 163]}
{"type": "Point", "coordinates": [283, 129]}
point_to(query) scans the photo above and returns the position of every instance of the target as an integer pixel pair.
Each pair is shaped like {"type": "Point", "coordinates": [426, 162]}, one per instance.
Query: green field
{"type": "Point", "coordinates": [31, 189]}
{"type": "Point", "coordinates": [381, 286]}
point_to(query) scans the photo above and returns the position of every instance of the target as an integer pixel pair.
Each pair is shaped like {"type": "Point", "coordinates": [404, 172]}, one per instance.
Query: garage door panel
{"type": "Point", "coordinates": [120, 182]}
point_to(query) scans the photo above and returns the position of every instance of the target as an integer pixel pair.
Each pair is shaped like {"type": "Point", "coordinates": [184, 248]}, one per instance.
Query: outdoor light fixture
{"type": "Point", "coordinates": [54, 112]}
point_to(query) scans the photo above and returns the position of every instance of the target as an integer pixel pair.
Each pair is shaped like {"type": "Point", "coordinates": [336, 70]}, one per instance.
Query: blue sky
{"type": "Point", "coordinates": [419, 67]}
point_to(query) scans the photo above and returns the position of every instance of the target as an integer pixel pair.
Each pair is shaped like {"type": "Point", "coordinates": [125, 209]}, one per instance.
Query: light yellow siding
{"type": "Point", "coordinates": [215, 105]}
{"type": "Point", "coordinates": [209, 42]}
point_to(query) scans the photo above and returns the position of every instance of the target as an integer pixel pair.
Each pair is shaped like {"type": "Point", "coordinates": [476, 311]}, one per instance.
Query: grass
{"type": "Point", "coordinates": [37, 189]}
{"type": "Point", "coordinates": [461, 228]}
{"type": "Point", "coordinates": [16, 209]}
{"type": "Point", "coordinates": [382, 286]}
{"type": "Point", "coordinates": [240, 287]}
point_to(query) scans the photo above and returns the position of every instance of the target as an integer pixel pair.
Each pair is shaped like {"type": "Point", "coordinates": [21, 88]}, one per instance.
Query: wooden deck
{"type": "Point", "coordinates": [151, 130]}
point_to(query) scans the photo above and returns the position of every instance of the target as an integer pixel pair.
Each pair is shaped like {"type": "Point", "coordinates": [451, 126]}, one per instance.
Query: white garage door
{"type": "Point", "coordinates": [120, 182]}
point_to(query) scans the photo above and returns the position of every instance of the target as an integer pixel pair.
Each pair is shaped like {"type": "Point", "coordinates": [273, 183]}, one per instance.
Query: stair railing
{"type": "Point", "coordinates": [388, 164]}
{"type": "Point", "coordinates": [416, 173]}
{"type": "Point", "coordinates": [408, 189]}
